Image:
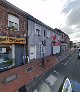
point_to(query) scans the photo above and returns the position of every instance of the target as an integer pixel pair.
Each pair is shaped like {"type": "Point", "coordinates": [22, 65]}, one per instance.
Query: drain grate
{"type": "Point", "coordinates": [29, 69]}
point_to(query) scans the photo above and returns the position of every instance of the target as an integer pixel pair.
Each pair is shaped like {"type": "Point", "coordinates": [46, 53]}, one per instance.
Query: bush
{"type": "Point", "coordinates": [9, 62]}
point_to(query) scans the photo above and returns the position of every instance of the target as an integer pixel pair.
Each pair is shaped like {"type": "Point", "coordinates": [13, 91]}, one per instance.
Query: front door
{"type": "Point", "coordinates": [32, 52]}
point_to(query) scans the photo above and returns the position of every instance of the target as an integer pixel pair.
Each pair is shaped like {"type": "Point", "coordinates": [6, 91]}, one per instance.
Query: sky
{"type": "Point", "coordinates": [62, 14]}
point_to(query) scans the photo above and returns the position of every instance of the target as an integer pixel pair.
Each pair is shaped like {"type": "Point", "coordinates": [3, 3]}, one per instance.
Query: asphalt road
{"type": "Point", "coordinates": [70, 67]}
{"type": "Point", "coordinates": [53, 79]}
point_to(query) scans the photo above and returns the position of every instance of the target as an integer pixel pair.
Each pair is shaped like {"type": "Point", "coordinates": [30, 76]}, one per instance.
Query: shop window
{"type": "Point", "coordinates": [13, 22]}
{"type": "Point", "coordinates": [0, 50]}
{"type": "Point", "coordinates": [5, 56]}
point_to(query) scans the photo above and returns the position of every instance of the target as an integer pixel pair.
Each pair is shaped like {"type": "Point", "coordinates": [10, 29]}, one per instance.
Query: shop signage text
{"type": "Point", "coordinates": [12, 40]}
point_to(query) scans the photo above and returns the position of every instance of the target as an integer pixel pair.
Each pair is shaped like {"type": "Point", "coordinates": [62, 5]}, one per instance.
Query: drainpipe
{"type": "Point", "coordinates": [13, 53]}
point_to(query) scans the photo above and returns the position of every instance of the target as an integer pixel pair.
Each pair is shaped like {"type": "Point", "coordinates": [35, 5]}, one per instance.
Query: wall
{"type": "Point", "coordinates": [33, 39]}
{"type": "Point", "coordinates": [4, 11]}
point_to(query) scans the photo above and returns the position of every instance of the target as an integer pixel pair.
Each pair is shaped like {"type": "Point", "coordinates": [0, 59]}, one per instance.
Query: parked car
{"type": "Point", "coordinates": [69, 85]}
{"type": "Point", "coordinates": [78, 53]}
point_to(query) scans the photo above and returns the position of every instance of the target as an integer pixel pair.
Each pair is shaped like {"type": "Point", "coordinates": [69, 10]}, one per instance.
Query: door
{"type": "Point", "coordinates": [19, 52]}
{"type": "Point", "coordinates": [32, 52]}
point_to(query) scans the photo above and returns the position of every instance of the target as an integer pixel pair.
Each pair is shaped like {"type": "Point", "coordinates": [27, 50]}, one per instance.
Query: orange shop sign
{"type": "Point", "coordinates": [12, 40]}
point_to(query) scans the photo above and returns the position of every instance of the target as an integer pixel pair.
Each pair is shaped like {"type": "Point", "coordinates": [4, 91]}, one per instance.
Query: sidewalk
{"type": "Point", "coordinates": [24, 74]}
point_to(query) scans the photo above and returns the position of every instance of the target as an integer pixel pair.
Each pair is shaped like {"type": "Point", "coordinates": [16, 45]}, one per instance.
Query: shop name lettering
{"type": "Point", "coordinates": [15, 40]}
{"type": "Point", "coordinates": [11, 40]}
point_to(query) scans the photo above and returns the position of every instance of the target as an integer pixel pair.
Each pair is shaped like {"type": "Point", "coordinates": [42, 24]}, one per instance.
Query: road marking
{"type": "Point", "coordinates": [64, 57]}
{"type": "Point", "coordinates": [67, 61]}
{"type": "Point", "coordinates": [65, 64]}
{"type": "Point", "coordinates": [51, 80]}
{"type": "Point", "coordinates": [62, 63]}
{"type": "Point", "coordinates": [56, 72]}
{"type": "Point", "coordinates": [71, 57]}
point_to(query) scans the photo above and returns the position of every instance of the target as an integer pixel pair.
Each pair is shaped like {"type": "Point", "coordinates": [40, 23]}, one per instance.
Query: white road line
{"type": "Point", "coordinates": [62, 63]}
{"type": "Point", "coordinates": [67, 61]}
{"type": "Point", "coordinates": [71, 57]}
{"type": "Point", "coordinates": [65, 64]}
{"type": "Point", "coordinates": [64, 57]}
{"type": "Point", "coordinates": [56, 72]}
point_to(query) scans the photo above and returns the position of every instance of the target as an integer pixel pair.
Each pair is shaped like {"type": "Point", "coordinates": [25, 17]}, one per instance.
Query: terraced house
{"type": "Point", "coordinates": [44, 41]}
{"type": "Point", "coordinates": [13, 31]}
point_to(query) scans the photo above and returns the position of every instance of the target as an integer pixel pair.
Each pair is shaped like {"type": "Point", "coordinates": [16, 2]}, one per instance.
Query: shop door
{"type": "Point", "coordinates": [19, 50]}
{"type": "Point", "coordinates": [32, 52]}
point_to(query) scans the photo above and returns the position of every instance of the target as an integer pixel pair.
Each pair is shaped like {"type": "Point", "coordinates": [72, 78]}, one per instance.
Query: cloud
{"type": "Point", "coordinates": [71, 4]}
{"type": "Point", "coordinates": [73, 17]}
{"type": "Point", "coordinates": [77, 35]}
{"type": "Point", "coordinates": [68, 30]}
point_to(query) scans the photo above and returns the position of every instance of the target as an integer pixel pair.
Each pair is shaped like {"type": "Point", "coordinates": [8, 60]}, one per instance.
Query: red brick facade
{"type": "Point", "coordinates": [4, 11]}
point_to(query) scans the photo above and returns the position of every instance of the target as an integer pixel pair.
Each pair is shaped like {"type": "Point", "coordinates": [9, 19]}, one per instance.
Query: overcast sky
{"type": "Point", "coordinates": [63, 14]}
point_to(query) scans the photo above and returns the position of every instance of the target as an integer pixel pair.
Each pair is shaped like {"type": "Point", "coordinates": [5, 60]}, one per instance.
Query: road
{"type": "Point", "coordinates": [52, 80]}
{"type": "Point", "coordinates": [70, 68]}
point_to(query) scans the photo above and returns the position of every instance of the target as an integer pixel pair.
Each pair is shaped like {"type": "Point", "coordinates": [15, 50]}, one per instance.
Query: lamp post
{"type": "Point", "coordinates": [43, 43]}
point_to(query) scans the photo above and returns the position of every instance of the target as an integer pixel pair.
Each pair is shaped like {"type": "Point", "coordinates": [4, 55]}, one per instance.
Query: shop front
{"type": "Point", "coordinates": [12, 51]}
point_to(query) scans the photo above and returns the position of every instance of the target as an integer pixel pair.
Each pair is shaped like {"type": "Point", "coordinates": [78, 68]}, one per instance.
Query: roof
{"type": "Point", "coordinates": [12, 7]}
{"type": "Point", "coordinates": [30, 17]}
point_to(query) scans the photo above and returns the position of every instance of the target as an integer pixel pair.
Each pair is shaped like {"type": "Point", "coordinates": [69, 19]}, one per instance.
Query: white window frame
{"type": "Point", "coordinates": [37, 29]}
{"type": "Point", "coordinates": [14, 20]}
{"type": "Point", "coordinates": [48, 33]}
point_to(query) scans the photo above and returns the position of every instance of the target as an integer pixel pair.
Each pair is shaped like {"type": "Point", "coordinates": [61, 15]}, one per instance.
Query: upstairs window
{"type": "Point", "coordinates": [44, 33]}
{"type": "Point", "coordinates": [10, 23]}
{"type": "Point", "coordinates": [37, 29]}
{"type": "Point", "coordinates": [13, 22]}
{"type": "Point", "coordinates": [48, 33]}
{"type": "Point", "coordinates": [38, 32]}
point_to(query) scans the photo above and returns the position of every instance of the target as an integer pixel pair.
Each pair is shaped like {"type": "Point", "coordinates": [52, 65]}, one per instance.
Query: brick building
{"type": "Point", "coordinates": [13, 32]}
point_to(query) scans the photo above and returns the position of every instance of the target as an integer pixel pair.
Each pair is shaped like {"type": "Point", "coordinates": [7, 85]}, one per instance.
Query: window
{"type": "Point", "coordinates": [42, 48]}
{"type": "Point", "coordinates": [0, 50]}
{"type": "Point", "coordinates": [48, 33]}
{"type": "Point", "coordinates": [10, 24]}
{"type": "Point", "coordinates": [16, 26]}
{"type": "Point", "coordinates": [44, 33]}
{"type": "Point", "coordinates": [37, 29]}
{"type": "Point", "coordinates": [13, 22]}
{"type": "Point", "coordinates": [38, 32]}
